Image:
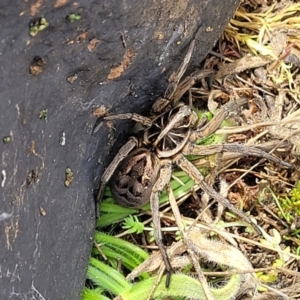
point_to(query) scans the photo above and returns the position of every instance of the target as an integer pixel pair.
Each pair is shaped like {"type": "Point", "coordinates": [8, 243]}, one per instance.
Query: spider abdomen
{"type": "Point", "coordinates": [132, 182]}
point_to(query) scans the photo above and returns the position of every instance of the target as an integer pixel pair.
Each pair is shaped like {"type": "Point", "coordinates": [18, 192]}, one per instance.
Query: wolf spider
{"type": "Point", "coordinates": [142, 168]}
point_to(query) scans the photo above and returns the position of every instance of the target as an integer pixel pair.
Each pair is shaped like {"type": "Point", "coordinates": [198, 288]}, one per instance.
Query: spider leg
{"type": "Point", "coordinates": [194, 173]}
{"type": "Point", "coordinates": [122, 153]}
{"type": "Point", "coordinates": [132, 116]}
{"type": "Point", "coordinates": [205, 150]}
{"type": "Point", "coordinates": [175, 90]}
{"type": "Point", "coordinates": [190, 81]}
{"type": "Point", "coordinates": [188, 243]}
{"type": "Point", "coordinates": [218, 118]}
{"type": "Point", "coordinates": [162, 181]}
{"type": "Point", "coordinates": [175, 77]}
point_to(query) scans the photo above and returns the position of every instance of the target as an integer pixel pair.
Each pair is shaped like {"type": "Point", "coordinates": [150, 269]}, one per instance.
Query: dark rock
{"type": "Point", "coordinates": [118, 54]}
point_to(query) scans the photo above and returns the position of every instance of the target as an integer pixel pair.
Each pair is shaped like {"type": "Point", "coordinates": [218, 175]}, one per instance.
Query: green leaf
{"type": "Point", "coordinates": [133, 225]}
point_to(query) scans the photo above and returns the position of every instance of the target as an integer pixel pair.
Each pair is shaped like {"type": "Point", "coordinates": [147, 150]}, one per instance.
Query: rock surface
{"type": "Point", "coordinates": [117, 54]}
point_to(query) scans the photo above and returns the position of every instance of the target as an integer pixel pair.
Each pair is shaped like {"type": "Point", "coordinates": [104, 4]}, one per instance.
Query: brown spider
{"type": "Point", "coordinates": [142, 168]}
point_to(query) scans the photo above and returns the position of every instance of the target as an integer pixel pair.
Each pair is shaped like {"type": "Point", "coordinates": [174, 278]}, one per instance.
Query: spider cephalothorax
{"type": "Point", "coordinates": [170, 131]}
